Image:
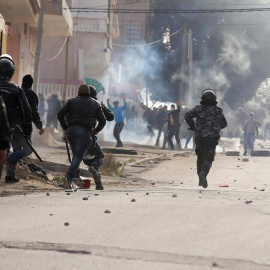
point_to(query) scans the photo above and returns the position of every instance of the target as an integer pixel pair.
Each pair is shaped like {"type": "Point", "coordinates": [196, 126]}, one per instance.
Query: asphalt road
{"type": "Point", "coordinates": [172, 224]}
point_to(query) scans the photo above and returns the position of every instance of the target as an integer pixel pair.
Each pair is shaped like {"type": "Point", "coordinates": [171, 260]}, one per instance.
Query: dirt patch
{"type": "Point", "coordinates": [29, 182]}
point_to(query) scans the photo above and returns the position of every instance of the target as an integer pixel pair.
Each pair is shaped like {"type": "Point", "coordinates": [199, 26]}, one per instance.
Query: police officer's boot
{"type": "Point", "coordinates": [202, 180]}
{"type": "Point", "coordinates": [97, 177]}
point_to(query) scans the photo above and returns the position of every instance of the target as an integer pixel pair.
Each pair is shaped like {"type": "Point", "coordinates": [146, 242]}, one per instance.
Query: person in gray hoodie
{"type": "Point", "coordinates": [249, 128]}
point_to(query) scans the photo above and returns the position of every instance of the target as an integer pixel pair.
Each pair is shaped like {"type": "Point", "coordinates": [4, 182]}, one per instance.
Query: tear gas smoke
{"type": "Point", "coordinates": [230, 52]}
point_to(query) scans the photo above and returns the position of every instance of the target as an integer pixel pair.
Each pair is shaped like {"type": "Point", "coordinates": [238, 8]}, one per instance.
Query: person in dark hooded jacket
{"type": "Point", "coordinates": [209, 121]}
{"type": "Point", "coordinates": [78, 119]}
{"type": "Point", "coordinates": [94, 156]}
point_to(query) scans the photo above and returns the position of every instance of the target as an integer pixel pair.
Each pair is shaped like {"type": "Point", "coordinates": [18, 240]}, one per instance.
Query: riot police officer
{"type": "Point", "coordinates": [17, 107]}
{"type": "Point", "coordinates": [209, 121]}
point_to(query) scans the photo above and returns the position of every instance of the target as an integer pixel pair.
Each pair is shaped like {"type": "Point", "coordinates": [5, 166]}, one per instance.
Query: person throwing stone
{"type": "Point", "coordinates": [119, 119]}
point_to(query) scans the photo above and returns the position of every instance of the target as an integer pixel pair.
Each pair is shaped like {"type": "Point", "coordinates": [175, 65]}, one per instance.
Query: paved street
{"type": "Point", "coordinates": [172, 224]}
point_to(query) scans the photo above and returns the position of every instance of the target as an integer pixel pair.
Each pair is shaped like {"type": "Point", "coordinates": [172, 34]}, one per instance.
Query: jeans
{"type": "Point", "coordinates": [249, 141]}
{"type": "Point", "coordinates": [116, 133]}
{"type": "Point", "coordinates": [20, 150]}
{"type": "Point", "coordinates": [174, 131]}
{"type": "Point", "coordinates": [80, 140]}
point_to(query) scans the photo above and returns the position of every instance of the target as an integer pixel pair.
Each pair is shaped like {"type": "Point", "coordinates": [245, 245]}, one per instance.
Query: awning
{"type": "Point", "coordinates": [123, 91]}
{"type": "Point", "coordinates": [3, 25]}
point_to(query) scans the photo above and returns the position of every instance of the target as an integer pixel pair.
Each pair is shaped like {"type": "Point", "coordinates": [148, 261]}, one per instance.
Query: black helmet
{"type": "Point", "coordinates": [7, 67]}
{"type": "Point", "coordinates": [93, 91]}
{"type": "Point", "coordinates": [209, 97]}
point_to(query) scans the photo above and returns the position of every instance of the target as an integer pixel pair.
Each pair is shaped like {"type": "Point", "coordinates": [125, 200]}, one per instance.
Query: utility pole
{"type": "Point", "coordinates": [183, 66]}
{"type": "Point", "coordinates": [190, 69]}
{"type": "Point", "coordinates": [66, 71]}
{"type": "Point", "coordinates": [109, 24]}
{"type": "Point", "coordinates": [38, 48]}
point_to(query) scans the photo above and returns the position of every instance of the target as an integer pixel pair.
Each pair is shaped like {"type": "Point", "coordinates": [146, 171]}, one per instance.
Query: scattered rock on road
{"type": "Point", "coordinates": [107, 211]}
{"type": "Point", "coordinates": [133, 200]}
{"type": "Point", "coordinates": [66, 224]}
{"type": "Point", "coordinates": [85, 198]}
{"type": "Point", "coordinates": [174, 195]}
{"type": "Point", "coordinates": [248, 202]}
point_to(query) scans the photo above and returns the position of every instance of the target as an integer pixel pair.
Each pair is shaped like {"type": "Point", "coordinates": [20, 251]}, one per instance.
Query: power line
{"type": "Point", "coordinates": [137, 45]}
{"type": "Point", "coordinates": [125, 3]}
{"type": "Point", "coordinates": [167, 11]}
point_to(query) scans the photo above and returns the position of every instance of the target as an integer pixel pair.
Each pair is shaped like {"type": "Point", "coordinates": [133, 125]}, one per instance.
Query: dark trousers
{"type": "Point", "coordinates": [94, 155]}
{"type": "Point", "coordinates": [80, 140]}
{"type": "Point", "coordinates": [160, 129]}
{"type": "Point", "coordinates": [205, 151]}
{"type": "Point", "coordinates": [174, 131]}
{"type": "Point", "coordinates": [150, 130]}
{"type": "Point", "coordinates": [52, 121]}
{"type": "Point", "coordinates": [116, 132]}
{"type": "Point", "coordinates": [20, 150]}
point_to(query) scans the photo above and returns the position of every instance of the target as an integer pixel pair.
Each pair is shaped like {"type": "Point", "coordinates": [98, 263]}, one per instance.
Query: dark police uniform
{"type": "Point", "coordinates": [209, 121]}
{"type": "Point", "coordinates": [4, 130]}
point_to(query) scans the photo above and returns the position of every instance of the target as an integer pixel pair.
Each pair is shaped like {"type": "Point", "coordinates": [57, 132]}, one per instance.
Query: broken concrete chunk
{"type": "Point", "coordinates": [232, 153]}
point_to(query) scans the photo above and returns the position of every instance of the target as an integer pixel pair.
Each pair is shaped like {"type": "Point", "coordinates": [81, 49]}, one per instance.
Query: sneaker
{"type": "Point", "coordinates": [99, 187]}
{"type": "Point", "coordinates": [245, 153]}
{"type": "Point", "coordinates": [10, 167]}
{"type": "Point", "coordinates": [77, 181]}
{"type": "Point", "coordinates": [203, 180]}
{"type": "Point", "coordinates": [11, 179]}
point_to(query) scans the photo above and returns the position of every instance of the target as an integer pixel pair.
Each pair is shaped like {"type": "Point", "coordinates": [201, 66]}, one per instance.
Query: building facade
{"type": "Point", "coordinates": [21, 19]}
{"type": "Point", "coordinates": [83, 58]}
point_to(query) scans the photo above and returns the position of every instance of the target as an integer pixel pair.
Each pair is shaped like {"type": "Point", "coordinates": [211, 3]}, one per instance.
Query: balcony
{"type": "Point", "coordinates": [57, 19]}
{"type": "Point", "coordinates": [94, 25]}
{"type": "Point", "coordinates": [23, 11]}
